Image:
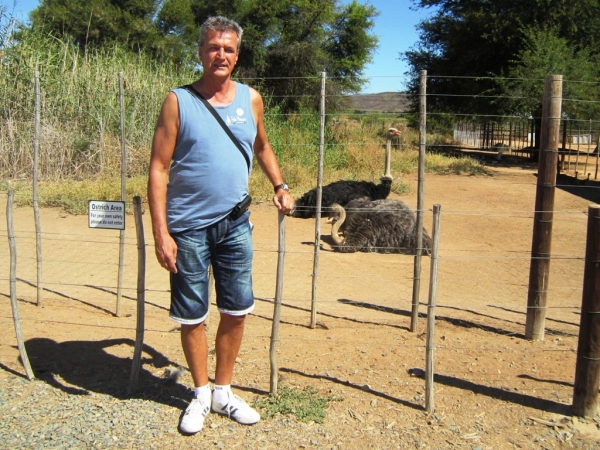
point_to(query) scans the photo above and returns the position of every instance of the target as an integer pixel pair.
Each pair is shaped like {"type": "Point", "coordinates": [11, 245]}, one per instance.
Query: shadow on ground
{"type": "Point", "coordinates": [584, 188]}
{"type": "Point", "coordinates": [453, 320]}
{"type": "Point", "coordinates": [81, 367]}
{"type": "Point", "coordinates": [458, 383]}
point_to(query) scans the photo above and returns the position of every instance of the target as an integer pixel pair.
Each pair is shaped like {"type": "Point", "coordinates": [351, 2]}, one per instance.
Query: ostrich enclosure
{"type": "Point", "coordinates": [491, 385]}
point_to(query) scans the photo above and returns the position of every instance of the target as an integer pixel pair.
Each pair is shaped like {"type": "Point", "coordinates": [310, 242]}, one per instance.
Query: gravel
{"type": "Point", "coordinates": [37, 415]}
{"type": "Point", "coordinates": [48, 414]}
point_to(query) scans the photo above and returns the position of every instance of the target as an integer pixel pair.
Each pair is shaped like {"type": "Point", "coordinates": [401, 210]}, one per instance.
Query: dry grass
{"type": "Point", "coordinates": [79, 144]}
{"type": "Point", "coordinates": [360, 157]}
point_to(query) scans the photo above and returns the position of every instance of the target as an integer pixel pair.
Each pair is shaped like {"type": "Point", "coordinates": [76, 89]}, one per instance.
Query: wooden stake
{"type": "Point", "coordinates": [123, 196]}
{"type": "Point", "coordinates": [414, 316]}
{"type": "Point", "coordinates": [317, 248]}
{"type": "Point", "coordinates": [36, 209]}
{"type": "Point", "coordinates": [277, 306]}
{"type": "Point", "coordinates": [13, 285]}
{"type": "Point", "coordinates": [430, 346]}
{"type": "Point", "coordinates": [141, 294]}
{"type": "Point", "coordinates": [587, 368]}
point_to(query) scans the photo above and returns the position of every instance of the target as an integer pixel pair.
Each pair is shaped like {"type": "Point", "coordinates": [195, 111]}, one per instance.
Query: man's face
{"type": "Point", "coordinates": [219, 53]}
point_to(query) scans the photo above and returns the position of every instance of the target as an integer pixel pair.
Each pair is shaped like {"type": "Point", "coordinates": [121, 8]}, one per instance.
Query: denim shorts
{"type": "Point", "coordinates": [227, 246]}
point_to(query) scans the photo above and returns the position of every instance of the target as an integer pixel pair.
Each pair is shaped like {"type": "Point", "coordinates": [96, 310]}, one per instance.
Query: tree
{"type": "Point", "coordinates": [176, 22]}
{"type": "Point", "coordinates": [482, 38]}
{"type": "Point", "coordinates": [99, 22]}
{"type": "Point", "coordinates": [285, 45]}
{"type": "Point", "coordinates": [544, 53]}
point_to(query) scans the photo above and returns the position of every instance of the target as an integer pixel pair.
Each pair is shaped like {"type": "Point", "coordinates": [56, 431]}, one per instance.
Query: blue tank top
{"type": "Point", "coordinates": [208, 174]}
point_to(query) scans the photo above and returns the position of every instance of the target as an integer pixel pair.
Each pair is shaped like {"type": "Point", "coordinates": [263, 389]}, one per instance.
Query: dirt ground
{"type": "Point", "coordinates": [493, 389]}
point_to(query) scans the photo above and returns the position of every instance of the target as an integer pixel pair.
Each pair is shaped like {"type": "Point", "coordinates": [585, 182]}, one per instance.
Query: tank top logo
{"type": "Point", "coordinates": [238, 119]}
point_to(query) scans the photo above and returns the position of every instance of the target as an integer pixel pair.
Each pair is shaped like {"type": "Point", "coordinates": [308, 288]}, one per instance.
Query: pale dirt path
{"type": "Point", "coordinates": [490, 382]}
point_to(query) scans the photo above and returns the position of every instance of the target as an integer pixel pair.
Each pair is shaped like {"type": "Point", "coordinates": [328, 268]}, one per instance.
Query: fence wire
{"type": "Point", "coordinates": [363, 299]}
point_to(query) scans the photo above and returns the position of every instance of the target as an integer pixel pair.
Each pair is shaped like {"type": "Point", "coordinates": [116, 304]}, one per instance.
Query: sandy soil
{"type": "Point", "coordinates": [493, 388]}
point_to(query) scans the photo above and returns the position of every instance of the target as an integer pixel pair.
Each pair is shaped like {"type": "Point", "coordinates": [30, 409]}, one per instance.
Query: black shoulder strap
{"type": "Point", "coordinates": [194, 92]}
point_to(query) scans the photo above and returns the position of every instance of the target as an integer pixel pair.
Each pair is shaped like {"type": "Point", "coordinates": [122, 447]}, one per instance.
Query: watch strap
{"type": "Point", "coordinates": [281, 186]}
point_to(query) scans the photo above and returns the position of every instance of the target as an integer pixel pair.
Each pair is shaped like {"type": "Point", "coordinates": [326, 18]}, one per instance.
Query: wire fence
{"type": "Point", "coordinates": [482, 288]}
{"type": "Point", "coordinates": [362, 318]}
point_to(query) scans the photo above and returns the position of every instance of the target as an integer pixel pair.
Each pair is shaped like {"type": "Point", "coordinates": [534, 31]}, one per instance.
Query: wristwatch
{"type": "Point", "coordinates": [281, 186]}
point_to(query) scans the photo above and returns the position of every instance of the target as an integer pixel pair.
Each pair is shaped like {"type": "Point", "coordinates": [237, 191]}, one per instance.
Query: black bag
{"type": "Point", "coordinates": [241, 207]}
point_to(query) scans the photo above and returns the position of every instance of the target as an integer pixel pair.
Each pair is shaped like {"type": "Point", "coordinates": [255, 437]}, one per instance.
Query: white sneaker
{"type": "Point", "coordinates": [193, 418]}
{"type": "Point", "coordinates": [237, 409]}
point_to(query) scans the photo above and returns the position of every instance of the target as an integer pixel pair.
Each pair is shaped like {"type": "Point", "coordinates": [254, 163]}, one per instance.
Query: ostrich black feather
{"type": "Point", "coordinates": [340, 192]}
{"type": "Point", "coordinates": [383, 226]}
{"type": "Point", "coordinates": [344, 191]}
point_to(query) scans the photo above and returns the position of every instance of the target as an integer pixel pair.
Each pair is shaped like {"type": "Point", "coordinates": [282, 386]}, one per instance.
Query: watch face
{"type": "Point", "coordinates": [282, 186]}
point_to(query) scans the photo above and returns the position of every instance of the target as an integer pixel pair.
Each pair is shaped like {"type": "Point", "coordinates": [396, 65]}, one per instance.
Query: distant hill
{"type": "Point", "coordinates": [382, 102]}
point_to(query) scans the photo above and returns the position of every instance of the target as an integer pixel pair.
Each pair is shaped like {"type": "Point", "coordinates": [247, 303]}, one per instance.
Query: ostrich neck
{"type": "Point", "coordinates": [388, 158]}
{"type": "Point", "coordinates": [336, 226]}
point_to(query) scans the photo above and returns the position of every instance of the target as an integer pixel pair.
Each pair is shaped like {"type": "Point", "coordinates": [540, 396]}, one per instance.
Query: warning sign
{"type": "Point", "coordinates": [106, 214]}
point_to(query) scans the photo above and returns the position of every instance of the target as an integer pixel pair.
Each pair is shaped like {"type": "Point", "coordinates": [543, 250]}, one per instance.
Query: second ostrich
{"type": "Point", "coordinates": [343, 191]}
{"type": "Point", "coordinates": [383, 226]}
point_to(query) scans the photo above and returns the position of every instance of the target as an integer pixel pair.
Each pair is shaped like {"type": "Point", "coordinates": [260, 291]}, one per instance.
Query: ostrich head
{"type": "Point", "coordinates": [391, 133]}
{"type": "Point", "coordinates": [337, 217]}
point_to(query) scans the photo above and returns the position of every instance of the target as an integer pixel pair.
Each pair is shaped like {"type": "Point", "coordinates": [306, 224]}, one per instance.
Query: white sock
{"type": "Point", "coordinates": [221, 394]}
{"type": "Point", "coordinates": [203, 392]}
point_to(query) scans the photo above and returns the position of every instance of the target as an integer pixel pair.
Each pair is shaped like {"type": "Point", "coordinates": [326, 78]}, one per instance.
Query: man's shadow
{"type": "Point", "coordinates": [81, 367]}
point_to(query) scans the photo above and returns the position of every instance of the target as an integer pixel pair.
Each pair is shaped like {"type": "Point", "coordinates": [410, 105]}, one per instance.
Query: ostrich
{"type": "Point", "coordinates": [343, 191]}
{"type": "Point", "coordinates": [384, 226]}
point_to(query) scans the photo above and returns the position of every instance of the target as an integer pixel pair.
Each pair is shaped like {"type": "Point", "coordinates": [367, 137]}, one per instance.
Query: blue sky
{"type": "Point", "coordinates": [395, 27]}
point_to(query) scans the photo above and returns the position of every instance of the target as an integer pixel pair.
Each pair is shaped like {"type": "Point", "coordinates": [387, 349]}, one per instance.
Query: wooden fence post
{"type": "Point", "coordinates": [544, 209]}
{"type": "Point", "coordinates": [13, 285]}
{"type": "Point", "coordinates": [570, 139]}
{"type": "Point", "coordinates": [561, 166]}
{"type": "Point", "coordinates": [141, 294]}
{"type": "Point", "coordinates": [277, 305]}
{"type": "Point", "coordinates": [123, 196]}
{"type": "Point", "coordinates": [430, 345]}
{"type": "Point", "coordinates": [420, 194]}
{"type": "Point", "coordinates": [317, 249]}
{"type": "Point", "coordinates": [36, 209]}
{"type": "Point", "coordinates": [587, 368]}
{"type": "Point", "coordinates": [577, 152]}
{"type": "Point", "coordinates": [587, 154]}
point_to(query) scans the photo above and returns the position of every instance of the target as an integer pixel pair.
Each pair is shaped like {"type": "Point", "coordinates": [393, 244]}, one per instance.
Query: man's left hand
{"type": "Point", "coordinates": [283, 201]}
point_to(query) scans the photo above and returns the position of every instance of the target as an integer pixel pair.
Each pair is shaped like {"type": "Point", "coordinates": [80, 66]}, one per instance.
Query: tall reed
{"type": "Point", "coordinates": [80, 148]}
{"type": "Point", "coordinates": [80, 107]}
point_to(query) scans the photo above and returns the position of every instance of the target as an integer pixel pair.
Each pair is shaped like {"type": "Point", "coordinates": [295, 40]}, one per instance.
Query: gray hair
{"type": "Point", "coordinates": [222, 25]}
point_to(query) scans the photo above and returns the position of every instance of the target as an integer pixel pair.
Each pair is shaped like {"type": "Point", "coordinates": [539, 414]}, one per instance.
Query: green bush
{"type": "Point", "coordinates": [308, 405]}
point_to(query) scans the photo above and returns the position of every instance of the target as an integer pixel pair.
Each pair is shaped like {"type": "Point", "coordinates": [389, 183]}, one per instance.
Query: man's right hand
{"type": "Point", "coordinates": [166, 253]}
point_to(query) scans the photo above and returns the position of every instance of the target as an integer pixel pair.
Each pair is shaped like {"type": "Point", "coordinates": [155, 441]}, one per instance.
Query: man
{"type": "Point", "coordinates": [197, 177]}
